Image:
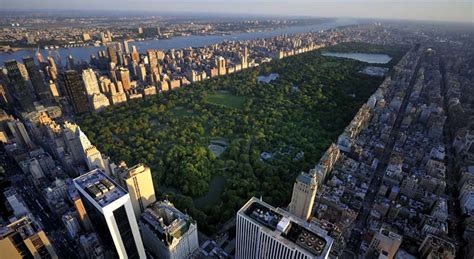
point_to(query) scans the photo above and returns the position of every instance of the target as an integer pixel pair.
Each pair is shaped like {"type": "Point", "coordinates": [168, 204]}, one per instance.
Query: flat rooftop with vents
{"type": "Point", "coordinates": [99, 187]}
{"type": "Point", "coordinates": [287, 227]}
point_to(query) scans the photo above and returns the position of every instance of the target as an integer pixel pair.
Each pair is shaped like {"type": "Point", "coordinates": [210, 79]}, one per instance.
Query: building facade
{"type": "Point", "coordinates": [110, 209]}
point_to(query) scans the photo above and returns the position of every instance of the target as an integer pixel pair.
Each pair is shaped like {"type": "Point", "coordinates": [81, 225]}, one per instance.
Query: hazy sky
{"type": "Point", "coordinates": [445, 10]}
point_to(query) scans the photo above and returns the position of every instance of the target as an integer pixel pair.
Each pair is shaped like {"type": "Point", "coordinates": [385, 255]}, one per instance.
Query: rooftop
{"type": "Point", "coordinates": [100, 187]}
{"type": "Point", "coordinates": [166, 221]}
{"type": "Point", "coordinates": [288, 227]}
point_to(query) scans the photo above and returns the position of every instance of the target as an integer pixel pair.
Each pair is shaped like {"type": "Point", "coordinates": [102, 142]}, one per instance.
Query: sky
{"type": "Point", "coordinates": [437, 10]}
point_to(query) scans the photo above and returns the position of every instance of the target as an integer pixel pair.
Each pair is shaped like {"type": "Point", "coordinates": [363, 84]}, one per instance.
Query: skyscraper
{"type": "Point", "coordinates": [82, 214]}
{"type": "Point", "coordinates": [37, 79]}
{"type": "Point", "coordinates": [125, 47]}
{"type": "Point", "coordinates": [124, 76]}
{"type": "Point", "coordinates": [109, 207]}
{"type": "Point", "coordinates": [304, 193]}
{"type": "Point", "coordinates": [90, 82]}
{"type": "Point", "coordinates": [167, 232]}
{"type": "Point", "coordinates": [18, 130]}
{"type": "Point", "coordinates": [221, 66]}
{"type": "Point", "coordinates": [76, 91]}
{"type": "Point", "coordinates": [22, 89]}
{"type": "Point", "coordinates": [139, 183]}
{"type": "Point", "coordinates": [267, 232]}
{"type": "Point", "coordinates": [112, 54]}
{"type": "Point", "coordinates": [24, 239]}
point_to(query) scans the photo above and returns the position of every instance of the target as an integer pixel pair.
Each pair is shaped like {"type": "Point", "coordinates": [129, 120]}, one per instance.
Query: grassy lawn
{"type": "Point", "coordinates": [226, 99]}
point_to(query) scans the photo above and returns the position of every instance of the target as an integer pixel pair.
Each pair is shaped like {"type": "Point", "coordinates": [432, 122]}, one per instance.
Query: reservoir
{"type": "Point", "coordinates": [84, 53]}
{"type": "Point", "coordinates": [364, 57]}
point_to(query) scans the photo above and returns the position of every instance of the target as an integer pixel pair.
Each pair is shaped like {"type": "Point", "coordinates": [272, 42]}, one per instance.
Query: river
{"type": "Point", "coordinates": [84, 53]}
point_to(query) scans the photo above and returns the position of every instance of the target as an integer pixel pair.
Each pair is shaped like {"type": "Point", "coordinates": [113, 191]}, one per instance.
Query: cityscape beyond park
{"type": "Point", "coordinates": [236, 129]}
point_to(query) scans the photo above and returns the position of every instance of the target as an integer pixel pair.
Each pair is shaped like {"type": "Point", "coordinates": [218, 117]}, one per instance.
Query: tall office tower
{"type": "Point", "coordinates": [140, 30]}
{"type": "Point", "coordinates": [267, 232]}
{"type": "Point", "coordinates": [76, 141]}
{"type": "Point", "coordinates": [24, 239]}
{"type": "Point", "coordinates": [245, 58]}
{"type": "Point", "coordinates": [90, 81]}
{"type": "Point", "coordinates": [167, 232]}
{"type": "Point", "coordinates": [139, 183]}
{"type": "Point", "coordinates": [221, 66]}
{"type": "Point", "coordinates": [125, 47]}
{"type": "Point", "coordinates": [141, 71]}
{"type": "Point", "coordinates": [22, 89]}
{"type": "Point", "coordinates": [135, 54]}
{"type": "Point", "coordinates": [94, 158]}
{"type": "Point", "coordinates": [123, 75]}
{"type": "Point", "coordinates": [112, 54]}
{"type": "Point", "coordinates": [384, 243]}
{"type": "Point", "coordinates": [304, 193]}
{"type": "Point", "coordinates": [82, 213]}
{"type": "Point", "coordinates": [53, 89]}
{"type": "Point", "coordinates": [109, 207]}
{"type": "Point", "coordinates": [37, 79]}
{"type": "Point", "coordinates": [76, 91]}
{"type": "Point", "coordinates": [152, 58]}
{"type": "Point", "coordinates": [18, 130]}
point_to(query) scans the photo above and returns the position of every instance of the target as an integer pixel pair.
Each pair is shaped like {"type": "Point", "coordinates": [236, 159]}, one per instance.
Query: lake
{"type": "Point", "coordinates": [84, 53]}
{"type": "Point", "coordinates": [364, 57]}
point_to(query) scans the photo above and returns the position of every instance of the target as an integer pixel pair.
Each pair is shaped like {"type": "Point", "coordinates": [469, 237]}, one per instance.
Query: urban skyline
{"type": "Point", "coordinates": [438, 10]}
{"type": "Point", "coordinates": [282, 137]}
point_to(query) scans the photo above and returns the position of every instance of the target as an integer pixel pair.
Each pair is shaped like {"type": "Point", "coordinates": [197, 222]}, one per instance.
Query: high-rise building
{"type": "Point", "coordinates": [82, 214]}
{"type": "Point", "coordinates": [385, 243]}
{"type": "Point", "coordinates": [135, 54]}
{"type": "Point", "coordinates": [267, 232]}
{"type": "Point", "coordinates": [244, 58]}
{"type": "Point", "coordinates": [109, 207]}
{"type": "Point", "coordinates": [167, 232]}
{"type": "Point", "coordinates": [139, 183]}
{"type": "Point", "coordinates": [22, 89]}
{"type": "Point", "coordinates": [18, 130]}
{"type": "Point", "coordinates": [221, 66]}
{"type": "Point", "coordinates": [76, 91]}
{"type": "Point", "coordinates": [24, 239]}
{"type": "Point", "coordinates": [99, 102]}
{"type": "Point", "coordinates": [125, 47]}
{"type": "Point", "coordinates": [124, 76]}
{"type": "Point", "coordinates": [37, 79]}
{"type": "Point", "coordinates": [90, 82]}
{"type": "Point", "coordinates": [112, 54]}
{"type": "Point", "coordinates": [94, 158]}
{"type": "Point", "coordinates": [141, 71]}
{"type": "Point", "coordinates": [304, 193]}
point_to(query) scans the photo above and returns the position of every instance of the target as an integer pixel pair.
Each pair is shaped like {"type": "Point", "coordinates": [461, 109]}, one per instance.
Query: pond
{"type": "Point", "coordinates": [364, 57]}
{"type": "Point", "coordinates": [267, 79]}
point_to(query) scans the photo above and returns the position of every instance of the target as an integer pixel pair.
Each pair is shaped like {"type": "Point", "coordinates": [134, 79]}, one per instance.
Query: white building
{"type": "Point", "coordinates": [267, 232]}
{"type": "Point", "coordinates": [110, 209]}
{"type": "Point", "coordinates": [168, 233]}
{"type": "Point", "coordinates": [90, 82]}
